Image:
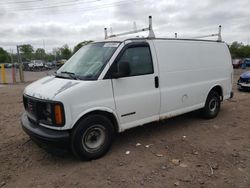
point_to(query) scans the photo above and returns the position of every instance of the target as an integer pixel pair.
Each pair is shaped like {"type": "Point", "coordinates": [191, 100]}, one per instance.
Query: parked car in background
{"type": "Point", "coordinates": [61, 62]}
{"type": "Point", "coordinates": [49, 65]}
{"type": "Point", "coordinates": [36, 65]}
{"type": "Point", "coordinates": [6, 65]}
{"type": "Point", "coordinates": [25, 65]}
{"type": "Point", "coordinates": [237, 63]}
{"type": "Point", "coordinates": [244, 81]}
{"type": "Point", "coordinates": [247, 62]}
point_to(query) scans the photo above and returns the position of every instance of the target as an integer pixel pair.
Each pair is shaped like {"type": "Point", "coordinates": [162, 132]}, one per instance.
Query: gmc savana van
{"type": "Point", "coordinates": [113, 85]}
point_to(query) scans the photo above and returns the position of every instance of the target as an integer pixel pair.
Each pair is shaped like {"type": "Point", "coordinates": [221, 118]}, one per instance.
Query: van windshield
{"type": "Point", "coordinates": [88, 62]}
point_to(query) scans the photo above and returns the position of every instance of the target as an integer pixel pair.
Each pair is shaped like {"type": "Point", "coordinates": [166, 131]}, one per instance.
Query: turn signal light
{"type": "Point", "coordinates": [58, 114]}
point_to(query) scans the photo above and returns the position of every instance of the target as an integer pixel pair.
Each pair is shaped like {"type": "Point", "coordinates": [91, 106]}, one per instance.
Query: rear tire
{"type": "Point", "coordinates": [212, 105]}
{"type": "Point", "coordinates": [92, 137]}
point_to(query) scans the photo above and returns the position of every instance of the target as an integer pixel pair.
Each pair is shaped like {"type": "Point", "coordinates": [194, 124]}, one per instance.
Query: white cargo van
{"type": "Point", "coordinates": [113, 85]}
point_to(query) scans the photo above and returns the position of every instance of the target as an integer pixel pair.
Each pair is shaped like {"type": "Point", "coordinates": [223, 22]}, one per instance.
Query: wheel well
{"type": "Point", "coordinates": [218, 89]}
{"type": "Point", "coordinates": [108, 115]}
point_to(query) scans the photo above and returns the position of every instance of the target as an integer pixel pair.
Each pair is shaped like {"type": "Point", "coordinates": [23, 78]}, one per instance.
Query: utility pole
{"type": "Point", "coordinates": [20, 64]}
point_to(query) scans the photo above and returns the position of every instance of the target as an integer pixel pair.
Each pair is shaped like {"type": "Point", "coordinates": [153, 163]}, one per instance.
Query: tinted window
{"type": "Point", "coordinates": [139, 59]}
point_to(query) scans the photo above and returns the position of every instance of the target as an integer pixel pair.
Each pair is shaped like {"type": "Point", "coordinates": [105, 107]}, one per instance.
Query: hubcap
{"type": "Point", "coordinates": [213, 104]}
{"type": "Point", "coordinates": [93, 138]}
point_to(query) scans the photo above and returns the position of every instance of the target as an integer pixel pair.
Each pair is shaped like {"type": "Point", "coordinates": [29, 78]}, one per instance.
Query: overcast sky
{"type": "Point", "coordinates": [56, 22]}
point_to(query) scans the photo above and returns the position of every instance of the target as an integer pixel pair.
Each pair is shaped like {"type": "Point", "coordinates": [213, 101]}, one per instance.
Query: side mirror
{"type": "Point", "coordinates": [123, 70]}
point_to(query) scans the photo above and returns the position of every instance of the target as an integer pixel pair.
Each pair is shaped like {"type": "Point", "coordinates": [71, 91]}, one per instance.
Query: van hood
{"type": "Point", "coordinates": [245, 75]}
{"type": "Point", "coordinates": [50, 87]}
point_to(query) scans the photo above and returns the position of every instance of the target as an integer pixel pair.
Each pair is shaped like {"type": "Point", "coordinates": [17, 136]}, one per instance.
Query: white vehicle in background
{"type": "Point", "coordinates": [36, 65]}
{"type": "Point", "coordinates": [113, 85]}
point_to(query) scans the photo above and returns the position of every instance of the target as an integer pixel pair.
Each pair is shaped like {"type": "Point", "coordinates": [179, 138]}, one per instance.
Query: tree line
{"type": "Point", "coordinates": [239, 50]}
{"type": "Point", "coordinates": [28, 53]}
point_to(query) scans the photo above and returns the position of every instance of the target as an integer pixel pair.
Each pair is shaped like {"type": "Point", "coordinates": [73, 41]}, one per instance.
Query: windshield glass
{"type": "Point", "coordinates": [88, 62]}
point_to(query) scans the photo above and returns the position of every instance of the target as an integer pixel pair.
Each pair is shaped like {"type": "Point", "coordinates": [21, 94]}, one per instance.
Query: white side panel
{"type": "Point", "coordinates": [188, 70]}
{"type": "Point", "coordinates": [137, 100]}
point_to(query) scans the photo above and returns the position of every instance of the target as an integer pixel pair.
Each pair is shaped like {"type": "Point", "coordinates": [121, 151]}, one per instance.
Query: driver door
{"type": "Point", "coordinates": [137, 94]}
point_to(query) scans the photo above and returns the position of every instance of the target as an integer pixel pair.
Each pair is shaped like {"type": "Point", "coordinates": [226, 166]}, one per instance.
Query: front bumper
{"type": "Point", "coordinates": [243, 86]}
{"type": "Point", "coordinates": [45, 136]}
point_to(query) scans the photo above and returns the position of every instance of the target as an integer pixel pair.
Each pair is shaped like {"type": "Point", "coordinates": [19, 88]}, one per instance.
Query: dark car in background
{"type": "Point", "coordinates": [237, 63]}
{"type": "Point", "coordinates": [244, 81]}
{"type": "Point", "coordinates": [7, 65]}
{"type": "Point", "coordinates": [247, 62]}
{"type": "Point", "coordinates": [49, 65]}
{"type": "Point", "coordinates": [26, 65]}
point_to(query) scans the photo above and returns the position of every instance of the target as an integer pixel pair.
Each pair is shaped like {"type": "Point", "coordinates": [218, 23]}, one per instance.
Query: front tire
{"type": "Point", "coordinates": [212, 105]}
{"type": "Point", "coordinates": [92, 137]}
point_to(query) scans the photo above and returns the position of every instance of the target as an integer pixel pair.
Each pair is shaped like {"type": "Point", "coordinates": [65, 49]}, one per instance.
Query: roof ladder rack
{"type": "Point", "coordinates": [211, 35]}
{"type": "Point", "coordinates": [149, 28]}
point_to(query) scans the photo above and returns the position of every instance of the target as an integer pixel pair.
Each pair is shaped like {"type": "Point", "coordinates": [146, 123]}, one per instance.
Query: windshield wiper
{"type": "Point", "coordinates": [71, 75]}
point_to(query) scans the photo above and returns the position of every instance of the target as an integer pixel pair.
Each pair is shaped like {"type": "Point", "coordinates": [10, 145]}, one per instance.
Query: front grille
{"type": "Point", "coordinates": [31, 107]}
{"type": "Point", "coordinates": [244, 80]}
{"type": "Point", "coordinates": [37, 110]}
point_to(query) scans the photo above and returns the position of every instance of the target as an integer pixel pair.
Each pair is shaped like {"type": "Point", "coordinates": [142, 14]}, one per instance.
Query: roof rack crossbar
{"type": "Point", "coordinates": [149, 28]}
{"type": "Point", "coordinates": [211, 35]}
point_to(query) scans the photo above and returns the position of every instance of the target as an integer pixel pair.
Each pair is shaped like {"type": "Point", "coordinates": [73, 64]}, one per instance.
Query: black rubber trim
{"type": "Point", "coordinates": [128, 114]}
{"type": "Point", "coordinates": [156, 82]}
{"type": "Point", "coordinates": [231, 94]}
{"type": "Point", "coordinates": [44, 135]}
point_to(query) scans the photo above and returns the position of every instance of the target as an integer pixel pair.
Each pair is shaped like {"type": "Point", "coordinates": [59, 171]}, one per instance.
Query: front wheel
{"type": "Point", "coordinates": [212, 105]}
{"type": "Point", "coordinates": [92, 137]}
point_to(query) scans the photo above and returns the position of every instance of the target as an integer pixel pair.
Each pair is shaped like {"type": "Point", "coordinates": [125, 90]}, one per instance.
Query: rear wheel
{"type": "Point", "coordinates": [212, 105]}
{"type": "Point", "coordinates": [92, 137]}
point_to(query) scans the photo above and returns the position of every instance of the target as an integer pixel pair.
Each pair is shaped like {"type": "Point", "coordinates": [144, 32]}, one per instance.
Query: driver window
{"type": "Point", "coordinates": [139, 59]}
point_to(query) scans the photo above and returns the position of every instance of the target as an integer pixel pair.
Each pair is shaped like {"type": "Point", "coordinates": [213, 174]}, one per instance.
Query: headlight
{"type": "Point", "coordinates": [52, 114]}
{"type": "Point", "coordinates": [47, 113]}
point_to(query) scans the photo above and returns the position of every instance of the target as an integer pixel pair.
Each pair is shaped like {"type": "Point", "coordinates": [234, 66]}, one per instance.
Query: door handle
{"type": "Point", "coordinates": [156, 82]}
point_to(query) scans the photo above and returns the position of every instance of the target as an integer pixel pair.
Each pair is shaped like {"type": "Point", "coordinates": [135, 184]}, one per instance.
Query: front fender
{"type": "Point", "coordinates": [103, 109]}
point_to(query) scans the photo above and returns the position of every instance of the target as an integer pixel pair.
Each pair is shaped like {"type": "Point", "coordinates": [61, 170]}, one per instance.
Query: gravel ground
{"type": "Point", "coordinates": [186, 151]}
